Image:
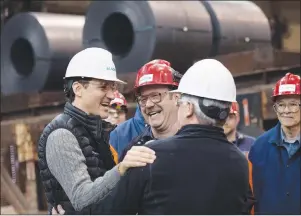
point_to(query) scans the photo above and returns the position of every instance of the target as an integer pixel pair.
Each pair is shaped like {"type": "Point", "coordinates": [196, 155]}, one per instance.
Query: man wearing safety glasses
{"type": "Point", "coordinates": [76, 163]}
{"type": "Point", "coordinates": [276, 154]}
{"type": "Point", "coordinates": [153, 82]}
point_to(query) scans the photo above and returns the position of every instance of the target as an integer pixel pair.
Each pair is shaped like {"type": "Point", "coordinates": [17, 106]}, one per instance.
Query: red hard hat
{"type": "Point", "coordinates": [234, 108]}
{"type": "Point", "coordinates": [119, 100]}
{"type": "Point", "coordinates": [287, 85]}
{"type": "Point", "coordinates": [156, 72]}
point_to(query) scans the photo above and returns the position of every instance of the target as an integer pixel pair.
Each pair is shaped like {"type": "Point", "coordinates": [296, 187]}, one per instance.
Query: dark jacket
{"type": "Point", "coordinates": [91, 136]}
{"type": "Point", "coordinates": [244, 142]}
{"type": "Point", "coordinates": [122, 135]}
{"type": "Point", "coordinates": [276, 177]}
{"type": "Point", "coordinates": [196, 172]}
{"type": "Point", "coordinates": [140, 140]}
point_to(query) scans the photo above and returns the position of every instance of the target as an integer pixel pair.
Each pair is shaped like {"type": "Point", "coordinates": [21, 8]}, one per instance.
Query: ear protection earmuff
{"type": "Point", "coordinates": [213, 111]}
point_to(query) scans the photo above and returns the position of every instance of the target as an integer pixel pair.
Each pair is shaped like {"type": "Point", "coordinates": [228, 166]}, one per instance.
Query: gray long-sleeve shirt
{"type": "Point", "coordinates": [67, 164]}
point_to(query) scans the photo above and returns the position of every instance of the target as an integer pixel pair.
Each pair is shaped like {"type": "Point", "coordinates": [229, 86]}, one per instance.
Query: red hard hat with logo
{"type": "Point", "coordinates": [119, 101]}
{"type": "Point", "coordinates": [157, 72]}
{"type": "Point", "coordinates": [234, 108]}
{"type": "Point", "coordinates": [287, 85]}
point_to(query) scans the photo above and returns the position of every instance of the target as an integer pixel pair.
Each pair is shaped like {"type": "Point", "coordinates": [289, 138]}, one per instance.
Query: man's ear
{"type": "Point", "coordinates": [77, 89]}
{"type": "Point", "coordinates": [190, 110]}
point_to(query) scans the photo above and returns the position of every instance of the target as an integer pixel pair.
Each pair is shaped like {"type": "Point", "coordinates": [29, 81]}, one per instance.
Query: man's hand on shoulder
{"type": "Point", "coordinates": [137, 156]}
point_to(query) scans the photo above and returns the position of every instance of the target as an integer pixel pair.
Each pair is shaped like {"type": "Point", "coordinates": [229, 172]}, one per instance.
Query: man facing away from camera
{"type": "Point", "coordinates": [197, 171]}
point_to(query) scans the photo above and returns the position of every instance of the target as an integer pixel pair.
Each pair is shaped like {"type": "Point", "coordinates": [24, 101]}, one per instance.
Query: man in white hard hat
{"type": "Point", "coordinates": [197, 171]}
{"type": "Point", "coordinates": [75, 161]}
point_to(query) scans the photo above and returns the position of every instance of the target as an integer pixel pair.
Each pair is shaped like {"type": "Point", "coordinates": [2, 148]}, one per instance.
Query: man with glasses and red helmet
{"type": "Point", "coordinates": [276, 155]}
{"type": "Point", "coordinates": [153, 82]}
{"type": "Point", "coordinates": [118, 109]}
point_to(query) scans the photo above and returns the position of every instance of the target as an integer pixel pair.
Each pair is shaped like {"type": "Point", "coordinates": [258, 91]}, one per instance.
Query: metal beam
{"type": "Point", "coordinates": [12, 193]}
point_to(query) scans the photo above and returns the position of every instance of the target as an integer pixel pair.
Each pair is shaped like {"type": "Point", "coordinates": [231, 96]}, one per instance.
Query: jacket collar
{"type": "Point", "coordinates": [138, 115]}
{"type": "Point", "coordinates": [92, 123]}
{"type": "Point", "coordinates": [197, 130]}
{"type": "Point", "coordinates": [276, 135]}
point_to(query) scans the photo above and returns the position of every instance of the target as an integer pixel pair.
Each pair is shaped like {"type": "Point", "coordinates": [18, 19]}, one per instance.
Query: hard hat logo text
{"type": "Point", "coordinates": [111, 68]}
{"type": "Point", "coordinates": [146, 78]}
{"type": "Point", "coordinates": [287, 87]}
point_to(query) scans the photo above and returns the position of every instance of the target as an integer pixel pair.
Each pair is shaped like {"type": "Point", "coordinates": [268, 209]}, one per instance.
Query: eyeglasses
{"type": "Point", "coordinates": [154, 97]}
{"type": "Point", "coordinates": [105, 85]}
{"type": "Point", "coordinates": [291, 107]}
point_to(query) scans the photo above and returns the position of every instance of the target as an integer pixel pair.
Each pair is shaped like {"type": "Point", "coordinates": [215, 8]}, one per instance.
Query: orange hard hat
{"type": "Point", "coordinates": [234, 108]}
{"type": "Point", "coordinates": [287, 85]}
{"type": "Point", "coordinates": [157, 72]}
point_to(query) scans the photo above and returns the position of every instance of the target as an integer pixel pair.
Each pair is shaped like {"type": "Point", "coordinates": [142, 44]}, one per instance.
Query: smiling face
{"type": "Point", "coordinates": [94, 97]}
{"type": "Point", "coordinates": [288, 110]}
{"type": "Point", "coordinates": [157, 106]}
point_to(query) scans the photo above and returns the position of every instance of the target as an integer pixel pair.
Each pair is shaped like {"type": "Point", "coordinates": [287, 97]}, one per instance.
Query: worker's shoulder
{"type": "Point", "coordinates": [265, 138]}
{"type": "Point", "coordinates": [249, 138]}
{"type": "Point", "coordinates": [63, 121]}
{"type": "Point", "coordinates": [61, 140]}
{"type": "Point", "coordinates": [263, 143]}
{"type": "Point", "coordinates": [61, 135]}
{"type": "Point", "coordinates": [161, 143]}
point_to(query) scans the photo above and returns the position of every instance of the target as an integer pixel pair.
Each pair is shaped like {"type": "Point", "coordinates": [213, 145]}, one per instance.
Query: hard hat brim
{"type": "Point", "coordinates": [106, 79]}
{"type": "Point", "coordinates": [175, 91]}
{"type": "Point", "coordinates": [183, 92]}
{"type": "Point", "coordinates": [117, 80]}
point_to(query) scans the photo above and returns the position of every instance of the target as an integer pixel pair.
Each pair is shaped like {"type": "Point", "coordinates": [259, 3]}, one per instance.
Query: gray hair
{"type": "Point", "coordinates": [202, 118]}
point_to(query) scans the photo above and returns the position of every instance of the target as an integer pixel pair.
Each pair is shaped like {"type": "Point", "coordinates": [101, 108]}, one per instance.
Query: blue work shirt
{"type": "Point", "coordinates": [291, 146]}
{"type": "Point", "coordinates": [276, 176]}
{"type": "Point", "coordinates": [123, 134]}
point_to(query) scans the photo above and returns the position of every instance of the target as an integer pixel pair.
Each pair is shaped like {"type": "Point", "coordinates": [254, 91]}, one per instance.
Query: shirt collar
{"type": "Point", "coordinates": [283, 138]}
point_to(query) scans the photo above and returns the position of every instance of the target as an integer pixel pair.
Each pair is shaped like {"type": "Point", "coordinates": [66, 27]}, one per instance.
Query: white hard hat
{"type": "Point", "coordinates": [94, 63]}
{"type": "Point", "coordinates": [208, 78]}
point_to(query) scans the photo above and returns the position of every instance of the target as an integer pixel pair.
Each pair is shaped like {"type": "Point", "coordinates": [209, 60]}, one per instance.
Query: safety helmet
{"type": "Point", "coordinates": [287, 85]}
{"type": "Point", "coordinates": [119, 100]}
{"type": "Point", "coordinates": [94, 63]}
{"type": "Point", "coordinates": [208, 78]}
{"type": "Point", "coordinates": [157, 72]}
{"type": "Point", "coordinates": [234, 108]}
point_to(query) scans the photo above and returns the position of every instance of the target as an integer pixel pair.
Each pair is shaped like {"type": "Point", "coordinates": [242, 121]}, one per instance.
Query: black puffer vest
{"type": "Point", "coordinates": [92, 135]}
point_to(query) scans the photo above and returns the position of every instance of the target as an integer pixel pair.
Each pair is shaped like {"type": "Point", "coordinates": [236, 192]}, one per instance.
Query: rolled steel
{"type": "Point", "coordinates": [36, 49]}
{"type": "Point", "coordinates": [139, 31]}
